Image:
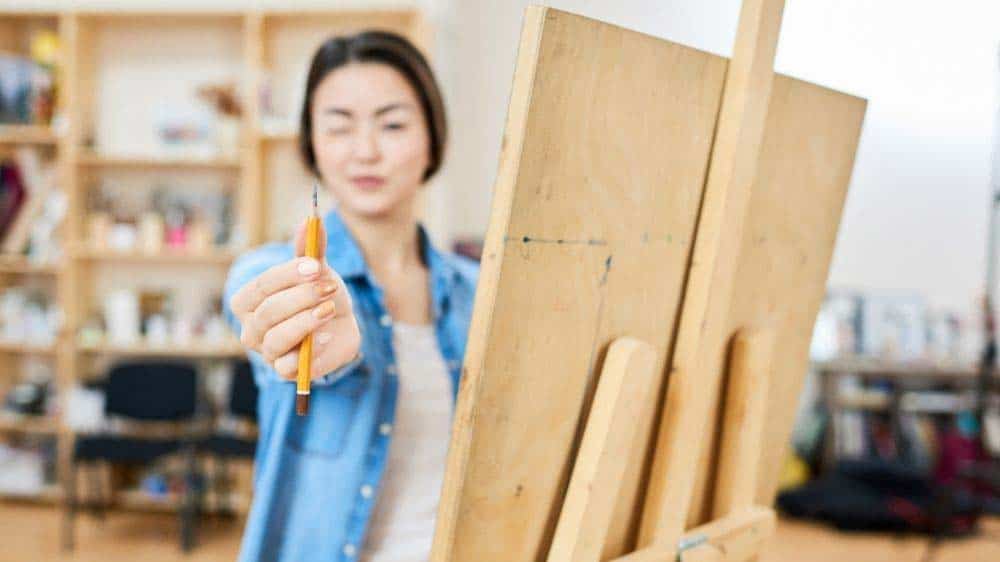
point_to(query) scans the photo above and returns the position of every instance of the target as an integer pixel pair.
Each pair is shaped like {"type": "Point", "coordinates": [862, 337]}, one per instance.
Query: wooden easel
{"type": "Point", "coordinates": [662, 221]}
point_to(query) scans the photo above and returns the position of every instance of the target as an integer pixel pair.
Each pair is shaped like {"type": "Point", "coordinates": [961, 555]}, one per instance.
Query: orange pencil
{"type": "Point", "coordinates": [305, 349]}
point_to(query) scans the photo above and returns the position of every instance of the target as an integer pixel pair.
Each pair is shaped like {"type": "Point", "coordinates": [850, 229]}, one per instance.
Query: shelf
{"type": "Point", "coordinates": [29, 424]}
{"type": "Point", "coordinates": [867, 403]}
{"type": "Point", "coordinates": [20, 265]}
{"type": "Point", "coordinates": [177, 257]}
{"type": "Point", "coordinates": [26, 134]}
{"type": "Point", "coordinates": [49, 494]}
{"type": "Point", "coordinates": [194, 351]}
{"type": "Point", "coordinates": [124, 161]}
{"type": "Point", "coordinates": [883, 368]}
{"type": "Point", "coordinates": [139, 500]}
{"type": "Point", "coordinates": [26, 348]}
{"type": "Point", "coordinates": [279, 136]}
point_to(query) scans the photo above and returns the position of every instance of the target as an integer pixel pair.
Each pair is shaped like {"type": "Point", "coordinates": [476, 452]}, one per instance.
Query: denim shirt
{"type": "Point", "coordinates": [316, 477]}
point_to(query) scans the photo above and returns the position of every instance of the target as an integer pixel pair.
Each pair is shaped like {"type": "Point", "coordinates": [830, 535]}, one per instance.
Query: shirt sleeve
{"type": "Point", "coordinates": [243, 270]}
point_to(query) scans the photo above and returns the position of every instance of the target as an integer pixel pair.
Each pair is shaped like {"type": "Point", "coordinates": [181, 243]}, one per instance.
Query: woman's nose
{"type": "Point", "coordinates": [366, 145]}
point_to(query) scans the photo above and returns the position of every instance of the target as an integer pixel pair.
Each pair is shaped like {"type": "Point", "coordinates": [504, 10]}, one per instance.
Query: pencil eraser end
{"type": "Point", "coordinates": [301, 404]}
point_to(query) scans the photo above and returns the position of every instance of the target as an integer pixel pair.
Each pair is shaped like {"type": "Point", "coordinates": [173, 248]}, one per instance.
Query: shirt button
{"type": "Point", "coordinates": [366, 491]}
{"type": "Point", "coordinates": [349, 550]}
{"type": "Point", "coordinates": [385, 320]}
{"type": "Point", "coordinates": [385, 428]}
{"type": "Point", "coordinates": [391, 369]}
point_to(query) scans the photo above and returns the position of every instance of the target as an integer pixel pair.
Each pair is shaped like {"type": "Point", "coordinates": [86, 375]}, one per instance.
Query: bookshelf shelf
{"type": "Point", "coordinates": [190, 351]}
{"type": "Point", "coordinates": [278, 136]}
{"type": "Point", "coordinates": [26, 134]}
{"type": "Point", "coordinates": [26, 348]}
{"type": "Point", "coordinates": [94, 160]}
{"type": "Point", "coordinates": [29, 424]}
{"type": "Point", "coordinates": [21, 266]}
{"type": "Point", "coordinates": [213, 257]}
{"type": "Point", "coordinates": [51, 494]}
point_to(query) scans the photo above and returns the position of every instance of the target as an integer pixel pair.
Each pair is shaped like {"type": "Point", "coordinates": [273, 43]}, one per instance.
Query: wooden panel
{"type": "Point", "coordinates": [594, 208]}
{"type": "Point", "coordinates": [794, 211]}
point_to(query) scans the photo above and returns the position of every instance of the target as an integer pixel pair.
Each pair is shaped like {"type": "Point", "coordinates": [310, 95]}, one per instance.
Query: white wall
{"type": "Point", "coordinates": [916, 214]}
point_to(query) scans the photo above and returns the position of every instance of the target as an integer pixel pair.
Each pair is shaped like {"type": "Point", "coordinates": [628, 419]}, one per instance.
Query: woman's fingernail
{"type": "Point", "coordinates": [308, 266]}
{"type": "Point", "coordinates": [323, 338]}
{"type": "Point", "coordinates": [325, 288]}
{"type": "Point", "coordinates": [324, 309]}
{"type": "Point", "coordinates": [286, 363]}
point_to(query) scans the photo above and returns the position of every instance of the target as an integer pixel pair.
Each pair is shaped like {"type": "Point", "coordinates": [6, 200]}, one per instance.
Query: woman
{"type": "Point", "coordinates": [389, 313]}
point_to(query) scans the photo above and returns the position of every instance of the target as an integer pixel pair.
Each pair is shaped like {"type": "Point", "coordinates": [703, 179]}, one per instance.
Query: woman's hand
{"type": "Point", "coordinates": [279, 307]}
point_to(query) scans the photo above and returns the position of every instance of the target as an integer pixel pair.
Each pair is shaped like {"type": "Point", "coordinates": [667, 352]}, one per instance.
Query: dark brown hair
{"type": "Point", "coordinates": [385, 48]}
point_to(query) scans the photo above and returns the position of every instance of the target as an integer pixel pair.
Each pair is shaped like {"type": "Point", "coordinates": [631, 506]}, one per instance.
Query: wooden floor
{"type": "Point", "coordinates": [31, 534]}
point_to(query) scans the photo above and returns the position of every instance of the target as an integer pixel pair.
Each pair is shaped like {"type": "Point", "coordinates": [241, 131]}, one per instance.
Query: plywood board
{"type": "Point", "coordinates": [793, 214]}
{"type": "Point", "coordinates": [603, 163]}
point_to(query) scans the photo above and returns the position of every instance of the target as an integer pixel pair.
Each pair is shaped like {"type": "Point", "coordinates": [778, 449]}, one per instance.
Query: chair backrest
{"type": "Point", "coordinates": [152, 391]}
{"type": "Point", "coordinates": [243, 392]}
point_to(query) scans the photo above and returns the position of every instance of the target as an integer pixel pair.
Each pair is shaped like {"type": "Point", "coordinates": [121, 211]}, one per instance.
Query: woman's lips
{"type": "Point", "coordinates": [368, 182]}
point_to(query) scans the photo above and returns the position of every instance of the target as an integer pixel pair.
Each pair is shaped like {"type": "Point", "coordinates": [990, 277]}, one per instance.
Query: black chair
{"type": "Point", "coordinates": [224, 446]}
{"type": "Point", "coordinates": [144, 393]}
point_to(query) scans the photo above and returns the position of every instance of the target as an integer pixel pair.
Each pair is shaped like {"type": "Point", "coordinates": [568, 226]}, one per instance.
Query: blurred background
{"type": "Point", "coordinates": [145, 143]}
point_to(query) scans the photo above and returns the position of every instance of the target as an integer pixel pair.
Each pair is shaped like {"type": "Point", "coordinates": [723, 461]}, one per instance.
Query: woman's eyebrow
{"type": "Point", "coordinates": [392, 106]}
{"type": "Point", "coordinates": [337, 111]}
{"type": "Point", "coordinates": [380, 111]}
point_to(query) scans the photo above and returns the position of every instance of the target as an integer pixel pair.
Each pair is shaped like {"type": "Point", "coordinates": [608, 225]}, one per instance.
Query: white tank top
{"type": "Point", "coordinates": [402, 522]}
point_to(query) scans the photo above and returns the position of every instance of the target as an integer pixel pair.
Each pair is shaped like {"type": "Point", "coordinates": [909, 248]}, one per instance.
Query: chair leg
{"type": "Point", "coordinates": [97, 501]}
{"type": "Point", "coordinates": [189, 504]}
{"type": "Point", "coordinates": [223, 491]}
{"type": "Point", "coordinates": [69, 508]}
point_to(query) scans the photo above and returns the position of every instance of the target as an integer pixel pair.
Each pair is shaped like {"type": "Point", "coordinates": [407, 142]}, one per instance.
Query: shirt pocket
{"type": "Point", "coordinates": [332, 411]}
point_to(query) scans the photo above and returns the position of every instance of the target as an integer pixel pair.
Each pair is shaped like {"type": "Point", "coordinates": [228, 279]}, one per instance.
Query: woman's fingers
{"type": "Point", "coordinates": [335, 343]}
{"type": "Point", "coordinates": [281, 338]}
{"type": "Point", "coordinates": [277, 278]}
{"type": "Point", "coordinates": [284, 304]}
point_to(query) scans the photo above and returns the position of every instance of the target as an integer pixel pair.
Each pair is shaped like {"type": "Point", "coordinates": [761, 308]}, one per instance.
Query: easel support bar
{"type": "Point", "coordinates": [604, 452]}
{"type": "Point", "coordinates": [735, 538]}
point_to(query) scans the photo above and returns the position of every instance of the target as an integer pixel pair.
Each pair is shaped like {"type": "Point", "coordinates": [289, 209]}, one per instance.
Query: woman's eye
{"type": "Point", "coordinates": [394, 126]}
{"type": "Point", "coordinates": [338, 130]}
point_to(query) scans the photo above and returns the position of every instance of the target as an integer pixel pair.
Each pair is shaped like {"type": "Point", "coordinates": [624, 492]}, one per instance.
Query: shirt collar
{"type": "Point", "coordinates": [345, 257]}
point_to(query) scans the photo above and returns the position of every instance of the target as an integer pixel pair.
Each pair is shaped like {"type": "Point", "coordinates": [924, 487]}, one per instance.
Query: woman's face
{"type": "Point", "coordinates": [371, 142]}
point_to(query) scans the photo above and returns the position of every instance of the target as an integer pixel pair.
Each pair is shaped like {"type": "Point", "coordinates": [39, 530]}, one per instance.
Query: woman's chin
{"type": "Point", "coordinates": [369, 207]}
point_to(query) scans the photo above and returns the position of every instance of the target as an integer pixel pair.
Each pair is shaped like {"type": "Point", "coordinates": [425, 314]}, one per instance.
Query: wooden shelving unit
{"type": "Point", "coordinates": [893, 388]}
{"type": "Point", "coordinates": [270, 186]}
